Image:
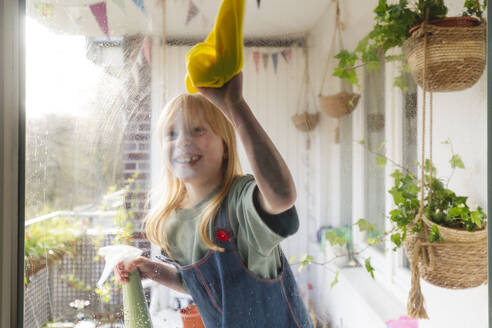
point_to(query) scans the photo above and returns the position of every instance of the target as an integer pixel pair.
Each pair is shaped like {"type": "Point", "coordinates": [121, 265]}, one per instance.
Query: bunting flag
{"type": "Point", "coordinates": [146, 50]}
{"type": "Point", "coordinates": [120, 3]}
{"type": "Point", "coordinates": [258, 2]}
{"type": "Point", "coordinates": [256, 58]}
{"type": "Point", "coordinates": [287, 54]}
{"type": "Point", "coordinates": [192, 12]}
{"type": "Point", "coordinates": [275, 61]}
{"type": "Point", "coordinates": [44, 9]}
{"type": "Point", "coordinates": [100, 13]}
{"type": "Point", "coordinates": [140, 4]}
{"type": "Point", "coordinates": [266, 58]}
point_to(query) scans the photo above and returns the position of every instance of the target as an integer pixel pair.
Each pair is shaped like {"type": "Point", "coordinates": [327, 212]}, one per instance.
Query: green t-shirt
{"type": "Point", "coordinates": [258, 233]}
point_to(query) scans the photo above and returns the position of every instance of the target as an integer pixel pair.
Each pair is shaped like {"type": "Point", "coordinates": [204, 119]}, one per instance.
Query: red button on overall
{"type": "Point", "coordinates": [222, 235]}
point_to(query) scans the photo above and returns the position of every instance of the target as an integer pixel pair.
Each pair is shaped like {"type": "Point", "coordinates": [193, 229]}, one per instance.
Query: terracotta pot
{"type": "Point", "coordinates": [191, 317]}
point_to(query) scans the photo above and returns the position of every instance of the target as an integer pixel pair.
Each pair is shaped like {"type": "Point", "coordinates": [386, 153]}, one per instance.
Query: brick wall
{"type": "Point", "coordinates": [137, 133]}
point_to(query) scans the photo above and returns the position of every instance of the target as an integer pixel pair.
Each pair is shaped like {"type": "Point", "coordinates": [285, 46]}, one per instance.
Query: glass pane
{"type": "Point", "coordinates": [409, 142]}
{"type": "Point", "coordinates": [375, 109]}
{"type": "Point", "coordinates": [89, 111]}
{"type": "Point", "coordinates": [281, 183]}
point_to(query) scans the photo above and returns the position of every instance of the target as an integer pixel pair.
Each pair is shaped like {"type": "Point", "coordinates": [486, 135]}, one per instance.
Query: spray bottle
{"type": "Point", "coordinates": [135, 308]}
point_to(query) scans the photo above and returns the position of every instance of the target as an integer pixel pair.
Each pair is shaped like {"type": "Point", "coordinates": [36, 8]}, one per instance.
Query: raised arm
{"type": "Point", "coordinates": [277, 192]}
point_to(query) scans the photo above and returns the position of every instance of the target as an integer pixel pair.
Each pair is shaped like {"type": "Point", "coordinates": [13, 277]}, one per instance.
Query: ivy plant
{"type": "Point", "coordinates": [442, 206]}
{"type": "Point", "coordinates": [392, 23]}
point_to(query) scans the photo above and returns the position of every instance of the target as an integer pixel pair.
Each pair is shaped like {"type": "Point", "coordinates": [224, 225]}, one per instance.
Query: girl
{"type": "Point", "coordinates": [221, 230]}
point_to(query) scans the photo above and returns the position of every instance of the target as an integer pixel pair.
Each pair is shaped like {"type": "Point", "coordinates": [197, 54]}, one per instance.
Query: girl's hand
{"type": "Point", "coordinates": [226, 96]}
{"type": "Point", "coordinates": [148, 269]}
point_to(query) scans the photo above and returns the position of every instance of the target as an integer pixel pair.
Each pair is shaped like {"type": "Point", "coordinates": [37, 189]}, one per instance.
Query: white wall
{"type": "Point", "coordinates": [461, 116]}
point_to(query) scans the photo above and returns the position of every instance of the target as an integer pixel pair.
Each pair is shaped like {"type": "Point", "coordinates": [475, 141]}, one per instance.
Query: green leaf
{"type": "Point", "coordinates": [397, 197]}
{"type": "Point", "coordinates": [306, 259]}
{"type": "Point", "coordinates": [455, 211]}
{"type": "Point", "coordinates": [456, 161]}
{"type": "Point", "coordinates": [396, 239]}
{"type": "Point", "coordinates": [476, 218]}
{"type": "Point", "coordinates": [399, 82]}
{"type": "Point", "coordinates": [364, 225]}
{"type": "Point", "coordinates": [372, 241]}
{"type": "Point", "coordinates": [435, 236]}
{"type": "Point", "coordinates": [362, 142]}
{"type": "Point", "coordinates": [369, 267]}
{"type": "Point", "coordinates": [391, 58]}
{"type": "Point", "coordinates": [335, 280]}
{"type": "Point", "coordinates": [291, 260]}
{"type": "Point", "coordinates": [381, 161]}
{"type": "Point", "coordinates": [334, 239]}
{"type": "Point", "coordinates": [427, 167]}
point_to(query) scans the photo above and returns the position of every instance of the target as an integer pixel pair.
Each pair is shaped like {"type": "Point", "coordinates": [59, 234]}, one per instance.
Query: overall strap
{"type": "Point", "coordinates": [222, 220]}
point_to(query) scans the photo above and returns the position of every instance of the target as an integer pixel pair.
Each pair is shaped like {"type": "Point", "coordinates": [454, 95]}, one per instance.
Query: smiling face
{"type": "Point", "coordinates": [194, 153]}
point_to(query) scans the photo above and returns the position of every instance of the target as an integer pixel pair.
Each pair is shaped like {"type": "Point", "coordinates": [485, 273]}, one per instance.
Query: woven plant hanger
{"type": "Point", "coordinates": [460, 261]}
{"type": "Point", "coordinates": [304, 120]}
{"type": "Point", "coordinates": [456, 56]}
{"type": "Point", "coordinates": [342, 103]}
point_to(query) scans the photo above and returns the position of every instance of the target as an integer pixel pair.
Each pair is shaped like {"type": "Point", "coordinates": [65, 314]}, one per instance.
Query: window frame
{"type": "Point", "coordinates": [12, 140]}
{"type": "Point", "coordinates": [389, 269]}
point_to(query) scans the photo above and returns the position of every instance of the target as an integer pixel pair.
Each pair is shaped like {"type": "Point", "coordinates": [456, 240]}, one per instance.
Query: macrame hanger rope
{"type": "Point", "coordinates": [415, 306]}
{"type": "Point", "coordinates": [303, 90]}
{"type": "Point", "coordinates": [331, 52]}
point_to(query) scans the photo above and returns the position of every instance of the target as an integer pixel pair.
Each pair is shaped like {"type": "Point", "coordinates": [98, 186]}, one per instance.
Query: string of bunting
{"type": "Point", "coordinates": [265, 57]}
{"type": "Point", "coordinates": [98, 10]}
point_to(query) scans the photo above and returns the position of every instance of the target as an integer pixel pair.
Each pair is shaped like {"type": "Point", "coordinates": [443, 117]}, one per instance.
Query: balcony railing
{"type": "Point", "coordinates": [73, 275]}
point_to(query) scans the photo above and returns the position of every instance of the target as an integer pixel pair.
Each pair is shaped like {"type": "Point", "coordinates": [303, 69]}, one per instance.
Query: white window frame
{"type": "Point", "coordinates": [388, 265]}
{"type": "Point", "coordinates": [11, 123]}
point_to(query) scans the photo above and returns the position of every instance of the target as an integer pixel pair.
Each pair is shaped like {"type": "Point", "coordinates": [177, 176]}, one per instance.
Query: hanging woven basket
{"type": "Point", "coordinates": [456, 53]}
{"type": "Point", "coordinates": [340, 104]}
{"type": "Point", "coordinates": [306, 121]}
{"type": "Point", "coordinates": [459, 262]}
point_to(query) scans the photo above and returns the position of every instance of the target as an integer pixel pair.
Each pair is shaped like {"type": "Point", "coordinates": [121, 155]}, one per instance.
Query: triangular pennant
{"type": "Point", "coordinates": [256, 58]}
{"type": "Point", "coordinates": [146, 50]}
{"type": "Point", "coordinates": [120, 3]}
{"type": "Point", "coordinates": [275, 61]}
{"type": "Point", "coordinates": [140, 4]}
{"type": "Point", "coordinates": [287, 54]}
{"type": "Point", "coordinates": [258, 2]}
{"type": "Point", "coordinates": [266, 58]}
{"type": "Point", "coordinates": [44, 9]}
{"type": "Point", "coordinates": [192, 12]}
{"type": "Point", "coordinates": [100, 13]}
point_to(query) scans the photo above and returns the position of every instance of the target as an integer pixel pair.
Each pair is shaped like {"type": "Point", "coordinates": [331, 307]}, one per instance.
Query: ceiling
{"type": "Point", "coordinates": [274, 18]}
{"type": "Point", "coordinates": [116, 18]}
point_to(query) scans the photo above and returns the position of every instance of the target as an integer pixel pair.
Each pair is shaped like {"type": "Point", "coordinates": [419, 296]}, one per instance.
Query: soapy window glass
{"type": "Point", "coordinates": [98, 77]}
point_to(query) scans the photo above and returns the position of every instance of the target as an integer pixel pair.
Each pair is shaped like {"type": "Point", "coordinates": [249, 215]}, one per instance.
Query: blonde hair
{"type": "Point", "coordinates": [172, 191]}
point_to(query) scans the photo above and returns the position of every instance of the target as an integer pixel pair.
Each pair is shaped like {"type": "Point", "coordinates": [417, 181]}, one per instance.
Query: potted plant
{"type": "Point", "coordinates": [445, 240]}
{"type": "Point", "coordinates": [447, 245]}
{"type": "Point", "coordinates": [344, 102]}
{"type": "Point", "coordinates": [455, 48]}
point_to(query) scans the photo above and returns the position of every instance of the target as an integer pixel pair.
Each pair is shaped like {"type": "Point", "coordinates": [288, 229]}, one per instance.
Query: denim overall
{"type": "Point", "coordinates": [228, 295]}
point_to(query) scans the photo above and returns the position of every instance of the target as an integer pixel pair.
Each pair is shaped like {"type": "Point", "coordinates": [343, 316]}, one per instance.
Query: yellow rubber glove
{"type": "Point", "coordinates": [217, 60]}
